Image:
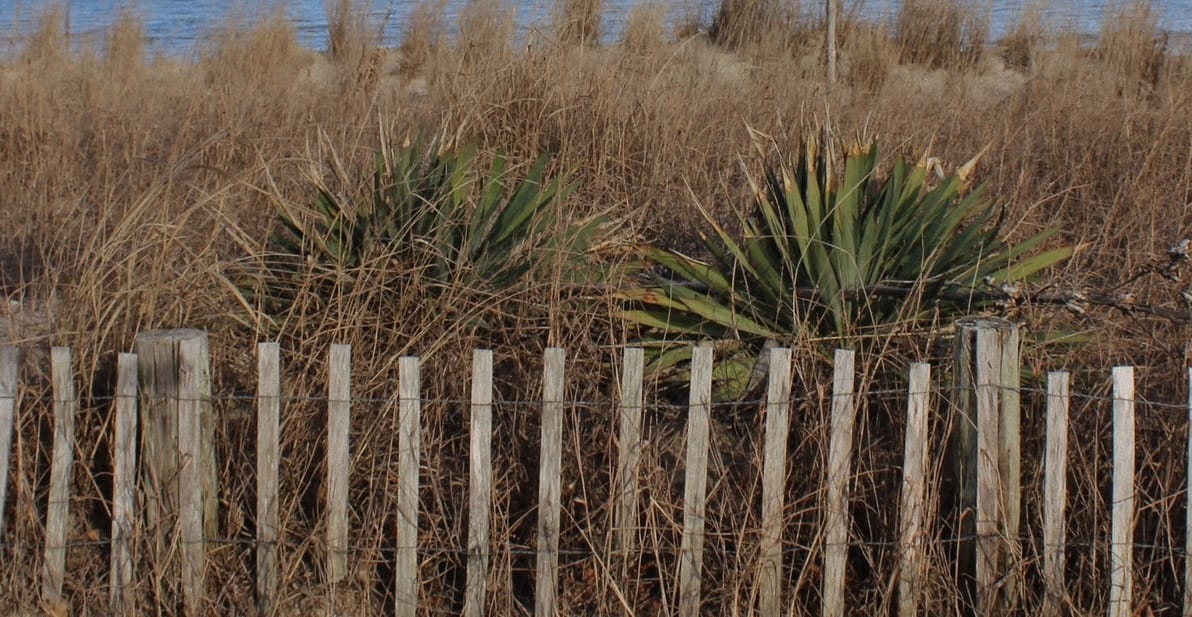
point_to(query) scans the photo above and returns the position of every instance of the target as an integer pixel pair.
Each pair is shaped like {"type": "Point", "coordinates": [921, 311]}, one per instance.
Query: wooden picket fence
{"type": "Point", "coordinates": [177, 371]}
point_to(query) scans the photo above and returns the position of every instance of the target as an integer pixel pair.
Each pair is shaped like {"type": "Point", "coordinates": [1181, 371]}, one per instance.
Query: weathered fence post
{"type": "Point", "coordinates": [480, 482]}
{"type": "Point", "coordinates": [194, 395]}
{"type": "Point", "coordinates": [840, 453]}
{"type": "Point", "coordinates": [409, 451]}
{"type": "Point", "coordinates": [629, 452]}
{"type": "Point", "coordinates": [10, 361]}
{"type": "Point", "coordinates": [159, 366]}
{"type": "Point", "coordinates": [1055, 493]}
{"type": "Point", "coordinates": [778, 421]}
{"type": "Point", "coordinates": [695, 491]}
{"type": "Point", "coordinates": [914, 490]}
{"type": "Point", "coordinates": [1121, 542]}
{"type": "Point", "coordinates": [66, 404]}
{"type": "Point", "coordinates": [268, 450]}
{"type": "Point", "coordinates": [550, 471]}
{"type": "Point", "coordinates": [986, 451]}
{"type": "Point", "coordinates": [339, 424]}
{"type": "Point", "coordinates": [124, 487]}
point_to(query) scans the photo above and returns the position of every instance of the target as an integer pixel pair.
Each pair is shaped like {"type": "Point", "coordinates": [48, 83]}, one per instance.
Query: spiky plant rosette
{"type": "Point", "coordinates": [432, 222]}
{"type": "Point", "coordinates": [844, 258]}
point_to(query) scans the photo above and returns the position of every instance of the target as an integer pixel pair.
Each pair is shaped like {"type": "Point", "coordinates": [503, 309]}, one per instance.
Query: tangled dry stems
{"type": "Point", "coordinates": [134, 189]}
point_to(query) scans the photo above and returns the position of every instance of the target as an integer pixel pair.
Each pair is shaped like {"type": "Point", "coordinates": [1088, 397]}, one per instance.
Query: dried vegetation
{"type": "Point", "coordinates": [133, 187]}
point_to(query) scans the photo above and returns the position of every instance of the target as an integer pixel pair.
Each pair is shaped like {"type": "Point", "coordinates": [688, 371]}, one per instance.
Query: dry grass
{"type": "Point", "coordinates": [134, 189]}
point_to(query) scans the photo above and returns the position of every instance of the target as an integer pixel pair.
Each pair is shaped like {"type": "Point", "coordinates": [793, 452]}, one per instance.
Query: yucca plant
{"type": "Point", "coordinates": [829, 257]}
{"type": "Point", "coordinates": [431, 214]}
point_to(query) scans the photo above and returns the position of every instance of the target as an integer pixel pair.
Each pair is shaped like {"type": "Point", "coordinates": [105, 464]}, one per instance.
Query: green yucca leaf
{"type": "Point", "coordinates": [839, 237]}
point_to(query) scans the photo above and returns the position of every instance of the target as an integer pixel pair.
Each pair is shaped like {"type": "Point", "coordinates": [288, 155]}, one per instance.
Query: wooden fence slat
{"type": "Point", "coordinates": [988, 374]}
{"type": "Point", "coordinates": [1010, 464]}
{"type": "Point", "coordinates": [778, 410]}
{"type": "Point", "coordinates": [1055, 493]}
{"type": "Point", "coordinates": [268, 463]}
{"type": "Point", "coordinates": [480, 482]}
{"type": "Point", "coordinates": [1121, 557]}
{"type": "Point", "coordinates": [62, 458]}
{"type": "Point", "coordinates": [191, 377]}
{"type": "Point", "coordinates": [339, 422]}
{"type": "Point", "coordinates": [840, 452]}
{"type": "Point", "coordinates": [914, 490]}
{"type": "Point", "coordinates": [409, 450]}
{"type": "Point", "coordinates": [695, 492]}
{"type": "Point", "coordinates": [550, 470]}
{"type": "Point", "coordinates": [10, 362]}
{"type": "Point", "coordinates": [629, 450]}
{"type": "Point", "coordinates": [124, 500]}
{"type": "Point", "coordinates": [1187, 612]}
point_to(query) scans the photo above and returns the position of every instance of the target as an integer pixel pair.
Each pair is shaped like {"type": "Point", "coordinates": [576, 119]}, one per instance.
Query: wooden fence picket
{"type": "Point", "coordinates": [192, 386]}
{"type": "Point", "coordinates": [409, 450]}
{"type": "Point", "coordinates": [10, 362]}
{"type": "Point", "coordinates": [1121, 549]}
{"type": "Point", "coordinates": [914, 489]}
{"type": "Point", "coordinates": [1187, 612]}
{"type": "Point", "coordinates": [1055, 493]}
{"type": "Point", "coordinates": [629, 451]}
{"type": "Point", "coordinates": [480, 482]}
{"type": "Point", "coordinates": [778, 410]}
{"type": "Point", "coordinates": [124, 483]}
{"type": "Point", "coordinates": [840, 452]}
{"type": "Point", "coordinates": [550, 469]}
{"type": "Point", "coordinates": [695, 492]}
{"type": "Point", "coordinates": [268, 462]}
{"type": "Point", "coordinates": [66, 405]}
{"type": "Point", "coordinates": [339, 422]}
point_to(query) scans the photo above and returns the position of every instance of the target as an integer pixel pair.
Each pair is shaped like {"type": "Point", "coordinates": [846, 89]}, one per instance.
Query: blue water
{"type": "Point", "coordinates": [180, 27]}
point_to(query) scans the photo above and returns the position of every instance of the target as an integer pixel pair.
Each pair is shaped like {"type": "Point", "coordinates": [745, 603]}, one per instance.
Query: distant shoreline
{"type": "Point", "coordinates": [312, 33]}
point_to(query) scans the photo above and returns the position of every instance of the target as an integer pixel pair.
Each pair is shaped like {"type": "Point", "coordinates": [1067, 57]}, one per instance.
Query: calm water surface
{"type": "Point", "coordinates": [179, 27]}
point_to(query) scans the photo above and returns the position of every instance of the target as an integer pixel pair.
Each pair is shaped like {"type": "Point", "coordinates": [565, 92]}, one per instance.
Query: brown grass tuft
{"type": "Point", "coordinates": [1133, 47]}
{"type": "Point", "coordinates": [942, 33]}
{"type": "Point", "coordinates": [578, 22]}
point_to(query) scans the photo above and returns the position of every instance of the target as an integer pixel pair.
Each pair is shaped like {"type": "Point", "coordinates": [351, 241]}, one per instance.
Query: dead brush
{"type": "Point", "coordinates": [137, 197]}
{"type": "Point", "coordinates": [1134, 48]}
{"type": "Point", "coordinates": [579, 22]}
{"type": "Point", "coordinates": [941, 33]}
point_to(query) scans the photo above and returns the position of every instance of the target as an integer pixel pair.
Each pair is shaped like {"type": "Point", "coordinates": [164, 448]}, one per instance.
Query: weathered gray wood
{"type": "Point", "coordinates": [778, 409]}
{"type": "Point", "coordinates": [1121, 556]}
{"type": "Point", "coordinates": [988, 375]}
{"type": "Point", "coordinates": [695, 493]}
{"type": "Point", "coordinates": [629, 451]}
{"type": "Point", "coordinates": [61, 460]}
{"type": "Point", "coordinates": [1187, 612]}
{"type": "Point", "coordinates": [914, 490]}
{"type": "Point", "coordinates": [268, 463]}
{"type": "Point", "coordinates": [10, 362]}
{"type": "Point", "coordinates": [988, 346]}
{"type": "Point", "coordinates": [339, 422]}
{"type": "Point", "coordinates": [550, 469]}
{"type": "Point", "coordinates": [1055, 494]}
{"type": "Point", "coordinates": [1010, 467]}
{"type": "Point", "coordinates": [840, 452]}
{"type": "Point", "coordinates": [480, 482]}
{"type": "Point", "coordinates": [124, 496]}
{"type": "Point", "coordinates": [158, 366]}
{"type": "Point", "coordinates": [193, 395]}
{"type": "Point", "coordinates": [409, 450]}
